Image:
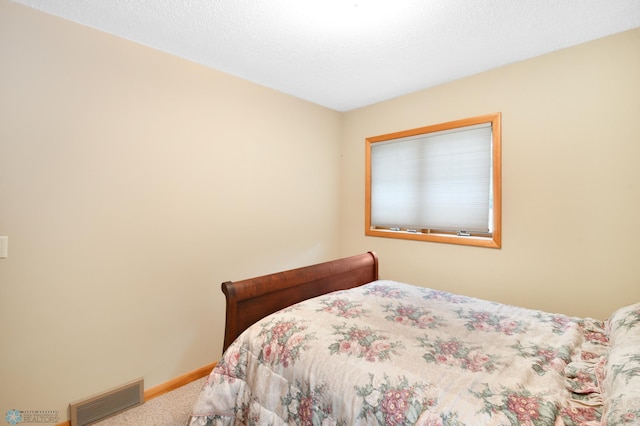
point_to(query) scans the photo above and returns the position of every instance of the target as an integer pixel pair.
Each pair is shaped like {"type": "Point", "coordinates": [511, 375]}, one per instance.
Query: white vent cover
{"type": "Point", "coordinates": [107, 404]}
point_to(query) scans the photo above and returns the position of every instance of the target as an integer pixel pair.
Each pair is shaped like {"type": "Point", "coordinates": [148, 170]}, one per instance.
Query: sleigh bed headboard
{"type": "Point", "coordinates": [252, 299]}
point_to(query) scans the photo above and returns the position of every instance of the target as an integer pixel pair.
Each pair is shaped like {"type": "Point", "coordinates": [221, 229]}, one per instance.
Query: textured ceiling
{"type": "Point", "coordinates": [345, 54]}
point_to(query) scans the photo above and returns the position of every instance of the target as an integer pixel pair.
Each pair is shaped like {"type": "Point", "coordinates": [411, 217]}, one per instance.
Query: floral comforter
{"type": "Point", "coordinates": [389, 353]}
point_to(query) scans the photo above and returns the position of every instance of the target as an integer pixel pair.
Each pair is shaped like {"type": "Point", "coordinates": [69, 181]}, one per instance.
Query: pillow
{"type": "Point", "coordinates": [621, 384]}
{"type": "Point", "coordinates": [624, 323]}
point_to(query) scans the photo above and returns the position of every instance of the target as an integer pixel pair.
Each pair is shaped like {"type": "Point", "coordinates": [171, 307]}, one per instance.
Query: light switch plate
{"type": "Point", "coordinates": [4, 247]}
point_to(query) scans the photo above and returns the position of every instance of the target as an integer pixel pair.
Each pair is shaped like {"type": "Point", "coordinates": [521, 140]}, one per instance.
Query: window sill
{"type": "Point", "coordinates": [489, 242]}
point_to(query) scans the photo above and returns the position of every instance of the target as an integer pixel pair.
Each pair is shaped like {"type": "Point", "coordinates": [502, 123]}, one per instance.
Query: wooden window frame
{"type": "Point", "coordinates": [493, 240]}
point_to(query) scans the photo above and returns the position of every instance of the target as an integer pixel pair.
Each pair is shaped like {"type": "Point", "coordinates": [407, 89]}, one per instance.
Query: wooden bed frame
{"type": "Point", "coordinates": [252, 299]}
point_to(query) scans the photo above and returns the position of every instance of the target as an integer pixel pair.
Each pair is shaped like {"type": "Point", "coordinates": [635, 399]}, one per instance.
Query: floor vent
{"type": "Point", "coordinates": [107, 404]}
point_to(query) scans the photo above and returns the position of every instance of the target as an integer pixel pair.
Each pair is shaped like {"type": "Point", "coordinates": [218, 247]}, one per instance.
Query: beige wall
{"type": "Point", "coordinates": [571, 181]}
{"type": "Point", "coordinates": [133, 183]}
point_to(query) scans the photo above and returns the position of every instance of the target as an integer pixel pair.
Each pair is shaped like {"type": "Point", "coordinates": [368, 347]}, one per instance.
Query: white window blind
{"type": "Point", "coordinates": [439, 181]}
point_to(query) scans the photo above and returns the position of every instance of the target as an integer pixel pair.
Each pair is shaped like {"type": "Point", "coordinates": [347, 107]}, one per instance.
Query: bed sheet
{"type": "Point", "coordinates": [391, 353]}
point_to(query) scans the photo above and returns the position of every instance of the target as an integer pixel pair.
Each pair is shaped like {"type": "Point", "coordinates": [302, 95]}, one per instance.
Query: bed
{"type": "Point", "coordinates": [332, 344]}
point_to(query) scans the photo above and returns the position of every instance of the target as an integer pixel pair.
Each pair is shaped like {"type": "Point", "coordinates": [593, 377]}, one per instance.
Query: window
{"type": "Point", "coordinates": [438, 183]}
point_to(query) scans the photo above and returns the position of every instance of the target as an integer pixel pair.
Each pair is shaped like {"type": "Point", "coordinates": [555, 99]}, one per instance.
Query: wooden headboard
{"type": "Point", "coordinates": [250, 300]}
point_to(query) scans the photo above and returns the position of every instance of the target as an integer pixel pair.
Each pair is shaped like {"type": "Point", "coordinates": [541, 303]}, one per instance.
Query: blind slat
{"type": "Point", "coordinates": [435, 181]}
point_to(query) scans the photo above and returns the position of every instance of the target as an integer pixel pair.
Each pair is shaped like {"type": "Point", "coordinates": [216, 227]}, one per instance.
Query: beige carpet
{"type": "Point", "coordinates": [170, 409]}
